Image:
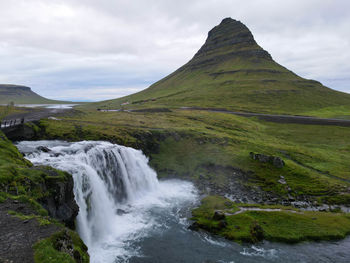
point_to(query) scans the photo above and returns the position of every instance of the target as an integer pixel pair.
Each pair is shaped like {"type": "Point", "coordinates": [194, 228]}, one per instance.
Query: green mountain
{"type": "Point", "coordinates": [232, 71]}
{"type": "Point", "coordinates": [21, 95]}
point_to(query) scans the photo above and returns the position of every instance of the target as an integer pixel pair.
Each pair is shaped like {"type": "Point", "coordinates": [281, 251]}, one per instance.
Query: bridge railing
{"type": "Point", "coordinates": [10, 123]}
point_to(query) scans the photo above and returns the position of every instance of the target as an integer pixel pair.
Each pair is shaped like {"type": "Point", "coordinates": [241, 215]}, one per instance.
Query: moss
{"type": "Point", "coordinates": [20, 180]}
{"type": "Point", "coordinates": [288, 225]}
{"type": "Point", "coordinates": [42, 219]}
{"type": "Point", "coordinates": [62, 247]}
{"type": "Point", "coordinates": [211, 203]}
{"type": "Point", "coordinates": [336, 199]}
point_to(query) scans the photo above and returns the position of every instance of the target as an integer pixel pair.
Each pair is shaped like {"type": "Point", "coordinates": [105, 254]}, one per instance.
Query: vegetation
{"type": "Point", "coordinates": [284, 225]}
{"type": "Point", "coordinates": [20, 181]}
{"type": "Point", "coordinates": [232, 71]}
{"type": "Point", "coordinates": [7, 110]}
{"type": "Point", "coordinates": [62, 247]}
{"type": "Point", "coordinates": [189, 144]}
{"type": "Point", "coordinates": [211, 147]}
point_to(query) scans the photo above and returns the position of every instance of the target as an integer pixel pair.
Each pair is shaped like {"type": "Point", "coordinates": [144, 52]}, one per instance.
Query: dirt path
{"type": "Point", "coordinates": [17, 235]}
{"type": "Point", "coordinates": [34, 114]}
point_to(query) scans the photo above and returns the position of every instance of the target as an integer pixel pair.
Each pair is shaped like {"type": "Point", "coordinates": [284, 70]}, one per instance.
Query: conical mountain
{"type": "Point", "coordinates": [232, 71]}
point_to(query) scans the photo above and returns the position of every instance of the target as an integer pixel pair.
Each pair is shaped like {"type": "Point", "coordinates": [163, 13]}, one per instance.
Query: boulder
{"type": "Point", "coordinates": [278, 162]}
{"type": "Point", "coordinates": [43, 149]}
{"type": "Point", "coordinates": [222, 224]}
{"type": "Point", "coordinates": [121, 212]}
{"type": "Point", "coordinates": [282, 180]}
{"type": "Point", "coordinates": [219, 216]}
{"type": "Point", "coordinates": [194, 227]}
{"type": "Point", "coordinates": [274, 160]}
{"type": "Point", "coordinates": [257, 232]}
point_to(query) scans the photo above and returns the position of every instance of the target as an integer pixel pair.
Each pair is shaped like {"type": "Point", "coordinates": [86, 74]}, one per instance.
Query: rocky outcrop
{"type": "Point", "coordinates": [43, 149]}
{"type": "Point", "coordinates": [232, 34]}
{"type": "Point", "coordinates": [230, 39]}
{"type": "Point", "coordinates": [60, 202]}
{"type": "Point", "coordinates": [274, 160]}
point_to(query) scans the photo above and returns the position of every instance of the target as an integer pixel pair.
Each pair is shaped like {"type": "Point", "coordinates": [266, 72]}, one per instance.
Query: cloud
{"type": "Point", "coordinates": [73, 49]}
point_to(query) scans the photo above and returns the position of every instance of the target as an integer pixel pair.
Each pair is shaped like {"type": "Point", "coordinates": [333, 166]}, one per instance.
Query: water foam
{"type": "Point", "coordinates": [259, 252]}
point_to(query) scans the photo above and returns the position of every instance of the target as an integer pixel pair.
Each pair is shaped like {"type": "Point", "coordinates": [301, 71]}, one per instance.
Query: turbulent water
{"type": "Point", "coordinates": [127, 215]}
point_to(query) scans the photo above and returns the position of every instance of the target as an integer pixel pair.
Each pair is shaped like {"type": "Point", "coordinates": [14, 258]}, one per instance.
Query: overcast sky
{"type": "Point", "coordinates": [103, 49]}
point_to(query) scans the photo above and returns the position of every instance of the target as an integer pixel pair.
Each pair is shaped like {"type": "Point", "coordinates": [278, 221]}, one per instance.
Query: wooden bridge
{"type": "Point", "coordinates": [11, 123]}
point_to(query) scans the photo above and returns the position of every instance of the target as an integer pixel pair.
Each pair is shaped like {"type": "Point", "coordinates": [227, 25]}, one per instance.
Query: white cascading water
{"type": "Point", "coordinates": [115, 190]}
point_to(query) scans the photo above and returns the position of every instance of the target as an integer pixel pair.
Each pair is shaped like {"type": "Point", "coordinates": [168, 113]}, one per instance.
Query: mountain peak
{"type": "Point", "coordinates": [230, 38]}
{"type": "Point", "coordinates": [232, 27]}
{"type": "Point", "coordinates": [232, 71]}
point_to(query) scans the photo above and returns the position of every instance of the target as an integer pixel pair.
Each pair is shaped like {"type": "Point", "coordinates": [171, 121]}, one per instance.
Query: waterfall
{"type": "Point", "coordinates": [115, 189]}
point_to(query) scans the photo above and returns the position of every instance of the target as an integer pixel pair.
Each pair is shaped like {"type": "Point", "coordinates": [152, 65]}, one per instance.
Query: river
{"type": "Point", "coordinates": [127, 215]}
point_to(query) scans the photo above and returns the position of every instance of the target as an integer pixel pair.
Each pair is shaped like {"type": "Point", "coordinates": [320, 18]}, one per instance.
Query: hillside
{"type": "Point", "coordinates": [232, 71]}
{"type": "Point", "coordinates": [22, 95]}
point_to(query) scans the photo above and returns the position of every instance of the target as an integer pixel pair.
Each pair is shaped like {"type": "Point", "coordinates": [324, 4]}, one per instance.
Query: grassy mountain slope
{"type": "Point", "coordinates": [232, 71]}
{"type": "Point", "coordinates": [22, 95]}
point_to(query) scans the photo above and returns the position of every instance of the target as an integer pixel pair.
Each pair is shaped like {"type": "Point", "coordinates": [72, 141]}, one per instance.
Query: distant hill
{"type": "Point", "coordinates": [22, 95]}
{"type": "Point", "coordinates": [232, 71]}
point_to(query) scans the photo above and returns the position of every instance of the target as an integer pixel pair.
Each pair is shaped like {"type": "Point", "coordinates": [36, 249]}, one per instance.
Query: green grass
{"type": "Point", "coordinates": [189, 143]}
{"type": "Point", "coordinates": [43, 220]}
{"type": "Point", "coordinates": [200, 145]}
{"type": "Point", "coordinates": [6, 110]}
{"type": "Point", "coordinates": [339, 112]}
{"type": "Point", "coordinates": [20, 181]}
{"type": "Point", "coordinates": [288, 225]}
{"type": "Point", "coordinates": [48, 250]}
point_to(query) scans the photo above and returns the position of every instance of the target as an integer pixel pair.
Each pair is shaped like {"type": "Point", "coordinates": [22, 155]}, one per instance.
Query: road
{"type": "Point", "coordinates": [37, 114]}
{"type": "Point", "coordinates": [282, 118]}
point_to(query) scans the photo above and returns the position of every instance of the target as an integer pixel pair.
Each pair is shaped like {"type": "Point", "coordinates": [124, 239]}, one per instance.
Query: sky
{"type": "Point", "coordinates": [89, 50]}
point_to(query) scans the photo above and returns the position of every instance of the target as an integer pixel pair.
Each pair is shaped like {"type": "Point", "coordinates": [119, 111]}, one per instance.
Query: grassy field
{"type": "Point", "coordinates": [185, 143]}
{"type": "Point", "coordinates": [206, 146]}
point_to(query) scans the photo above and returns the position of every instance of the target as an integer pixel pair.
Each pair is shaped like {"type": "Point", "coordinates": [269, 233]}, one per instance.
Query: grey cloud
{"type": "Point", "coordinates": [110, 48]}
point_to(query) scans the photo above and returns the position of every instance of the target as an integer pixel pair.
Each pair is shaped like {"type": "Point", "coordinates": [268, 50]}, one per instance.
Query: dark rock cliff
{"type": "Point", "coordinates": [60, 202]}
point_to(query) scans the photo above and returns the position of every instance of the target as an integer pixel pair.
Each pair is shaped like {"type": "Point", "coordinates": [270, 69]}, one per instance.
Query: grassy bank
{"type": "Point", "coordinates": [275, 223]}
{"type": "Point", "coordinates": [26, 187]}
